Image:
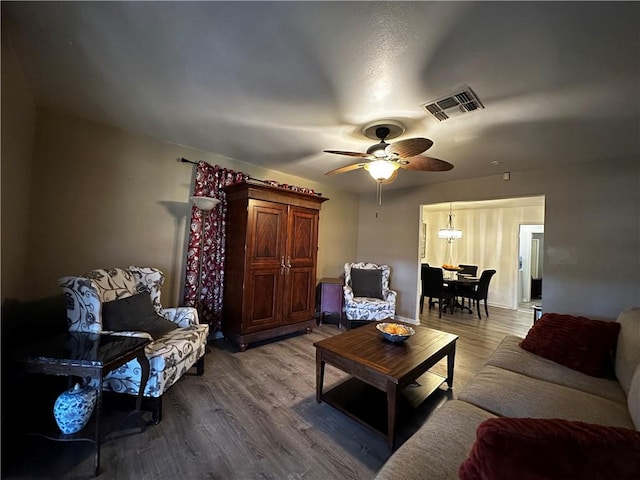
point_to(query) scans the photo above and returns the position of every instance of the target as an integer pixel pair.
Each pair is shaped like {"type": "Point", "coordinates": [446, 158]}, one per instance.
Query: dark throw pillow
{"type": "Point", "coordinates": [366, 283]}
{"type": "Point", "coordinates": [135, 313]}
{"type": "Point", "coordinates": [553, 449]}
{"type": "Point", "coordinates": [579, 343]}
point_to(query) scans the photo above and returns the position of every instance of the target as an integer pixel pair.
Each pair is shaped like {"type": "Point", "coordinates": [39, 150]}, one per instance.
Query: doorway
{"type": "Point", "coordinates": [530, 265]}
{"type": "Point", "coordinates": [490, 240]}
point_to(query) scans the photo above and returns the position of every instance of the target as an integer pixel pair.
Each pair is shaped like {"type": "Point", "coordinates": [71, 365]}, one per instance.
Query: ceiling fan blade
{"type": "Point", "coordinates": [350, 154]}
{"type": "Point", "coordinates": [409, 147]}
{"type": "Point", "coordinates": [346, 168]}
{"type": "Point", "coordinates": [426, 164]}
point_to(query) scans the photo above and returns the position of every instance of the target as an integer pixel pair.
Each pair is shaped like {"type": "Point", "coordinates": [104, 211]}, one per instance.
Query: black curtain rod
{"type": "Point", "coordinates": [184, 160]}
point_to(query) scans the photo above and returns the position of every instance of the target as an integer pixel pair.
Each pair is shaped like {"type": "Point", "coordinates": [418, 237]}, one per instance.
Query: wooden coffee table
{"type": "Point", "coordinates": [389, 367]}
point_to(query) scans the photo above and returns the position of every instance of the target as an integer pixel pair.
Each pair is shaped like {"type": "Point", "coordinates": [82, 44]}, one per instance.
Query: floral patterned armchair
{"type": "Point", "coordinates": [170, 356]}
{"type": "Point", "coordinates": [366, 292]}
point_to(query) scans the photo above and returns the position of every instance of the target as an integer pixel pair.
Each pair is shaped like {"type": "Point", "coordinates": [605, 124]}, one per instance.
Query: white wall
{"type": "Point", "coordinates": [592, 233]}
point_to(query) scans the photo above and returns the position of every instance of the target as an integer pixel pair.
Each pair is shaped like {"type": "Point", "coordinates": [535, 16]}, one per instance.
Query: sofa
{"type": "Point", "coordinates": [177, 346]}
{"type": "Point", "coordinates": [540, 404]}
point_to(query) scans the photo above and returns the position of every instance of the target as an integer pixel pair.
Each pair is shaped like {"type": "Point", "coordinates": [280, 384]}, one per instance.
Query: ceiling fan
{"type": "Point", "coordinates": [384, 159]}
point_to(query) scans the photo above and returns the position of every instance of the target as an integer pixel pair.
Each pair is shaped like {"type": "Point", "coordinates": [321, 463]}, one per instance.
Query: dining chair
{"type": "Point", "coordinates": [433, 287]}
{"type": "Point", "coordinates": [480, 292]}
{"type": "Point", "coordinates": [467, 270]}
{"type": "Point", "coordinates": [471, 270]}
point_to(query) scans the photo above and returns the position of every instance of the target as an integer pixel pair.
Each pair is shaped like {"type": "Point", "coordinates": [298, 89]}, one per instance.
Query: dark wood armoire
{"type": "Point", "coordinates": [270, 263]}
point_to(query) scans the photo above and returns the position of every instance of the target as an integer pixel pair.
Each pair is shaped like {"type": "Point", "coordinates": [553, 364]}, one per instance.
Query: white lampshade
{"type": "Point", "coordinates": [205, 203]}
{"type": "Point", "coordinates": [381, 170]}
{"type": "Point", "coordinates": [449, 233]}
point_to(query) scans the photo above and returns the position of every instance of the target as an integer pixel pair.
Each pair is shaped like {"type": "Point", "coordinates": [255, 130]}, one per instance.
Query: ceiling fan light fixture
{"type": "Point", "coordinates": [378, 150]}
{"type": "Point", "coordinates": [381, 170]}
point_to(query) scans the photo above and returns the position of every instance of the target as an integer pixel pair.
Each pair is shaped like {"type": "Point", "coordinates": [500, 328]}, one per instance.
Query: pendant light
{"type": "Point", "coordinates": [449, 233]}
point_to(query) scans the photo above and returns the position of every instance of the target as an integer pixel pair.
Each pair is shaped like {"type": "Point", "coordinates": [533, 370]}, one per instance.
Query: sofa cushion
{"type": "Point", "coordinates": [366, 282]}
{"type": "Point", "coordinates": [510, 394]}
{"type": "Point", "coordinates": [577, 342]}
{"type": "Point", "coordinates": [135, 313]}
{"type": "Point", "coordinates": [510, 356]}
{"type": "Point", "coordinates": [553, 449]}
{"type": "Point", "coordinates": [628, 349]}
{"type": "Point", "coordinates": [438, 447]}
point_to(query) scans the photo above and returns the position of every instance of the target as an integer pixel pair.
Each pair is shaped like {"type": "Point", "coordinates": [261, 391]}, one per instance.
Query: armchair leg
{"type": "Point", "coordinates": [156, 409]}
{"type": "Point", "coordinates": [421, 303]}
{"type": "Point", "coordinates": [486, 310]}
{"type": "Point", "coordinates": [478, 308]}
{"type": "Point", "coordinates": [200, 366]}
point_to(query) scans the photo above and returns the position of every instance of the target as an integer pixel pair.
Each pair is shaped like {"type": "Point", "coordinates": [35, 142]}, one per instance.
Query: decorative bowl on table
{"type": "Point", "coordinates": [394, 332]}
{"type": "Point", "coordinates": [451, 268]}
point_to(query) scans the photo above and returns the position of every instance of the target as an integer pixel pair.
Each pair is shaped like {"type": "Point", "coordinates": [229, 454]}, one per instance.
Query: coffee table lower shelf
{"type": "Point", "coordinates": [368, 405]}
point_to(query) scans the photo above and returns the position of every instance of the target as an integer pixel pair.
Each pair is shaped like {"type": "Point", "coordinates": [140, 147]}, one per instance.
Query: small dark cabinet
{"type": "Point", "coordinates": [330, 299]}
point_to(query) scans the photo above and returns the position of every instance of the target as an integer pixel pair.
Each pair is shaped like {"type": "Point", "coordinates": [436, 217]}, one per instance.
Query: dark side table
{"type": "Point", "coordinates": [83, 355]}
{"type": "Point", "coordinates": [537, 313]}
{"type": "Point", "coordinates": [330, 299]}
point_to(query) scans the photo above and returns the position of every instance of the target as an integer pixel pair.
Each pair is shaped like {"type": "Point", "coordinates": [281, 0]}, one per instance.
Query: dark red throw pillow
{"type": "Point", "coordinates": [551, 449]}
{"type": "Point", "coordinates": [579, 343]}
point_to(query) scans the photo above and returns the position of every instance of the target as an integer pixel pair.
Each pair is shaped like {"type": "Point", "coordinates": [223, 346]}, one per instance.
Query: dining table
{"type": "Point", "coordinates": [457, 282]}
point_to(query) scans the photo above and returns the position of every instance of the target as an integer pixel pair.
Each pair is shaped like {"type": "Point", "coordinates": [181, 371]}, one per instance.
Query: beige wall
{"type": "Point", "coordinates": [592, 233]}
{"type": "Point", "coordinates": [18, 119]}
{"type": "Point", "coordinates": [104, 197]}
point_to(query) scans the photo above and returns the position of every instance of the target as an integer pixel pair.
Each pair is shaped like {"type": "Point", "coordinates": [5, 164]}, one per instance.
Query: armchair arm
{"type": "Point", "coordinates": [181, 316]}
{"type": "Point", "coordinates": [348, 293]}
{"type": "Point", "coordinates": [122, 333]}
{"type": "Point", "coordinates": [390, 296]}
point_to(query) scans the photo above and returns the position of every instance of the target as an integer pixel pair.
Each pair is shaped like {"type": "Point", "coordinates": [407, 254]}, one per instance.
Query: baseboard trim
{"type": "Point", "coordinates": [413, 321]}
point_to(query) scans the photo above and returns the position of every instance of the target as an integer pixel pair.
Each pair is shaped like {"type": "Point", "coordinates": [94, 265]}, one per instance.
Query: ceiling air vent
{"type": "Point", "coordinates": [465, 101]}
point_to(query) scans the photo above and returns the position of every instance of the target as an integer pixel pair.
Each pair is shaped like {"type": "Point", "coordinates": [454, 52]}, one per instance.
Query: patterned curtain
{"type": "Point", "coordinates": [209, 182]}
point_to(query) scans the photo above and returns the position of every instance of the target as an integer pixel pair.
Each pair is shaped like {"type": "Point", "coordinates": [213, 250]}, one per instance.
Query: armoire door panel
{"type": "Point", "coordinates": [299, 294]}
{"type": "Point", "coordinates": [267, 234]}
{"type": "Point", "coordinates": [262, 300]}
{"type": "Point", "coordinates": [303, 234]}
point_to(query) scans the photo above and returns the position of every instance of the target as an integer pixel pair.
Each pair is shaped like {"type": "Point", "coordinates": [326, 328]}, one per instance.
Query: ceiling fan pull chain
{"type": "Point", "coordinates": [379, 193]}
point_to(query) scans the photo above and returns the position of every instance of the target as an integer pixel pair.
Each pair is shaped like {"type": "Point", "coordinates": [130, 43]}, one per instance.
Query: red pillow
{"type": "Point", "coordinates": [576, 342]}
{"type": "Point", "coordinates": [550, 449]}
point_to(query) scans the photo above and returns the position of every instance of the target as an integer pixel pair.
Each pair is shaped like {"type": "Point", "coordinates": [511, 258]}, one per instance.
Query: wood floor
{"type": "Point", "coordinates": [253, 415]}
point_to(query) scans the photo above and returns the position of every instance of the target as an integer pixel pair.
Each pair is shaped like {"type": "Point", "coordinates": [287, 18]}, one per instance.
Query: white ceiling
{"type": "Point", "coordinates": [275, 83]}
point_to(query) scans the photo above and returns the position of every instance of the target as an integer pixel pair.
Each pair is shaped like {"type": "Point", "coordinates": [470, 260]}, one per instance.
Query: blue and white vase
{"type": "Point", "coordinates": [74, 407]}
